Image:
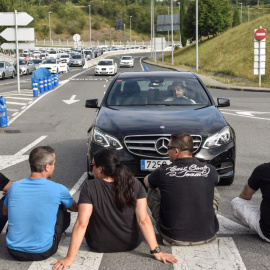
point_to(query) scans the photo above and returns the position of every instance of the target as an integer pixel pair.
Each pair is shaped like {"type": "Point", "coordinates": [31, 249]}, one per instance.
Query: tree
{"type": "Point", "coordinates": [214, 18]}
{"type": "Point", "coordinates": [236, 18]}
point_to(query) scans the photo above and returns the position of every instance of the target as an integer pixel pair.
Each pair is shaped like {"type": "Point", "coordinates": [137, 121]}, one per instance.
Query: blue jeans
{"type": "Point", "coordinates": [3, 219]}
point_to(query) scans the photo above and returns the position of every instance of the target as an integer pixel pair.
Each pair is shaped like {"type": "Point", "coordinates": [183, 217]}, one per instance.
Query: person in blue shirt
{"type": "Point", "coordinates": [36, 209]}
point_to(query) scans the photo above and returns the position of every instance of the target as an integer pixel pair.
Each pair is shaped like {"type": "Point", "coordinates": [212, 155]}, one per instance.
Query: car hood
{"type": "Point", "coordinates": [160, 120]}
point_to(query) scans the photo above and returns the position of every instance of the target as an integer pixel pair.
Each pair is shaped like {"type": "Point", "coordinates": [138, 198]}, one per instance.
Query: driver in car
{"type": "Point", "coordinates": [178, 92]}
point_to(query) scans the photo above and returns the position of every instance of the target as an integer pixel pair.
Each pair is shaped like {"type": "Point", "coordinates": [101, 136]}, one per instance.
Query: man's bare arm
{"type": "Point", "coordinates": [247, 192]}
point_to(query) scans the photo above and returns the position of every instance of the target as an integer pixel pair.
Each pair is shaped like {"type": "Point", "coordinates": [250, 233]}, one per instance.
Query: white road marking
{"type": "Point", "coordinates": [247, 116]}
{"type": "Point", "coordinates": [71, 100]}
{"type": "Point", "coordinates": [12, 110]}
{"type": "Point", "coordinates": [221, 254]}
{"type": "Point", "coordinates": [15, 103]}
{"type": "Point", "coordinates": [10, 160]}
{"type": "Point", "coordinates": [141, 63]}
{"type": "Point", "coordinates": [14, 113]}
{"type": "Point", "coordinates": [17, 97]}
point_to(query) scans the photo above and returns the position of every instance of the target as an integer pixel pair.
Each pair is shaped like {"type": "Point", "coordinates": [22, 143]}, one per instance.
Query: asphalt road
{"type": "Point", "coordinates": [51, 121]}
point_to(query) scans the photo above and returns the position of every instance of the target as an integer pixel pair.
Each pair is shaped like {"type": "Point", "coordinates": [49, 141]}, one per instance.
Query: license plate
{"type": "Point", "coordinates": [152, 164]}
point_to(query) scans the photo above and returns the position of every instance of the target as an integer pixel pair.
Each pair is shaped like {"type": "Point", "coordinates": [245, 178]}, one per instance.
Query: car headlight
{"type": "Point", "coordinates": [111, 68]}
{"type": "Point", "coordinates": [220, 138]}
{"type": "Point", "coordinates": [101, 138]}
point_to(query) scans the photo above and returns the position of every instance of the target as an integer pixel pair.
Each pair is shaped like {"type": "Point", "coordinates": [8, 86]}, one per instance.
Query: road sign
{"type": "Point", "coordinates": [76, 37]}
{"type": "Point", "coordinates": [260, 34]}
{"type": "Point", "coordinates": [8, 18]}
{"type": "Point", "coordinates": [22, 46]}
{"type": "Point", "coordinates": [24, 34]}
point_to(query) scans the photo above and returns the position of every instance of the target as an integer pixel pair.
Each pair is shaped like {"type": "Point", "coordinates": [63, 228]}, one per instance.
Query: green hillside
{"type": "Point", "coordinates": [231, 53]}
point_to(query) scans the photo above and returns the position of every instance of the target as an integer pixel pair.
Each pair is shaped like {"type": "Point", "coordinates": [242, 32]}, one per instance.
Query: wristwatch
{"type": "Point", "coordinates": [156, 250]}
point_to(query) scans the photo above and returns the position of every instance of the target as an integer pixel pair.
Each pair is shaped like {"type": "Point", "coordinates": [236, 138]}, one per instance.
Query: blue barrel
{"type": "Point", "coordinates": [50, 83]}
{"type": "Point", "coordinates": [55, 80]}
{"type": "Point", "coordinates": [35, 87]}
{"type": "Point", "coordinates": [41, 86]}
{"type": "Point", "coordinates": [3, 113]}
{"type": "Point", "coordinates": [46, 84]}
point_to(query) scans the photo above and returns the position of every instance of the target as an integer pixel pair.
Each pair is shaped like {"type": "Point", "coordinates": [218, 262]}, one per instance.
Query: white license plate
{"type": "Point", "coordinates": [152, 164]}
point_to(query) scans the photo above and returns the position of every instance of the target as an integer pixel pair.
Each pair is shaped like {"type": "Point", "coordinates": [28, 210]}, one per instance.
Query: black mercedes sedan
{"type": "Point", "coordinates": [140, 110]}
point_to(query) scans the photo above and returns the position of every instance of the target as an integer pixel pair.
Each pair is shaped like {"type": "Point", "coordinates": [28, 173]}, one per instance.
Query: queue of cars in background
{"type": "Point", "coordinates": [6, 70]}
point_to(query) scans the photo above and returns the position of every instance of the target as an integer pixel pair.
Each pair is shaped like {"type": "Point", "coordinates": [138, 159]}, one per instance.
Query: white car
{"type": "Point", "coordinates": [53, 54]}
{"type": "Point", "coordinates": [55, 66]}
{"type": "Point", "coordinates": [64, 58]}
{"type": "Point", "coordinates": [106, 67]}
{"type": "Point", "coordinates": [126, 61]}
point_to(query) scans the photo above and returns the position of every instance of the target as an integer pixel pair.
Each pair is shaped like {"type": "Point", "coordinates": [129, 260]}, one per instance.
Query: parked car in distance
{"type": "Point", "coordinates": [140, 111]}
{"type": "Point", "coordinates": [44, 55]}
{"type": "Point", "coordinates": [64, 58]}
{"type": "Point", "coordinates": [53, 54]}
{"type": "Point", "coordinates": [38, 62]}
{"type": "Point", "coordinates": [126, 61]}
{"type": "Point", "coordinates": [54, 66]}
{"type": "Point", "coordinates": [26, 66]}
{"type": "Point", "coordinates": [106, 67]}
{"type": "Point", "coordinates": [77, 60]}
{"type": "Point", "coordinates": [7, 70]}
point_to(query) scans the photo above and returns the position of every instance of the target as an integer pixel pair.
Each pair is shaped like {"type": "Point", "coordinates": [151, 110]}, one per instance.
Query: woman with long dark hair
{"type": "Point", "coordinates": [112, 212]}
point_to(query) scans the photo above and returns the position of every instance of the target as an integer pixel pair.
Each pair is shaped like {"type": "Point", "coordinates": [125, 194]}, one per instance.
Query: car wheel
{"type": "Point", "coordinates": [226, 181]}
{"type": "Point", "coordinates": [89, 176]}
{"type": "Point", "coordinates": [27, 72]}
{"type": "Point", "coordinates": [3, 76]}
{"type": "Point", "coordinates": [13, 75]}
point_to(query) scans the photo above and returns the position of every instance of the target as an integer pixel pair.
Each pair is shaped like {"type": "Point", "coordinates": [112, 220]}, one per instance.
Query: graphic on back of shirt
{"type": "Point", "coordinates": [188, 171]}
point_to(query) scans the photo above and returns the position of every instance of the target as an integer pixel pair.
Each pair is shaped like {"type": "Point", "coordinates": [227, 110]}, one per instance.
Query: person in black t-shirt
{"type": "Point", "coordinates": [182, 196]}
{"type": "Point", "coordinates": [112, 212]}
{"type": "Point", "coordinates": [4, 185]}
{"type": "Point", "coordinates": [246, 211]}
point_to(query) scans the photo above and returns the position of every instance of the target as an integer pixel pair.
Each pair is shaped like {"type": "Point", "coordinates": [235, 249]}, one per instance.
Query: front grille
{"type": "Point", "coordinates": [154, 146]}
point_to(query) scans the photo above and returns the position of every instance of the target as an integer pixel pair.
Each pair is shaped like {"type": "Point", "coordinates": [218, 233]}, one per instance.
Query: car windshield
{"type": "Point", "coordinates": [76, 57]}
{"type": "Point", "coordinates": [105, 63]}
{"type": "Point", "coordinates": [21, 62]}
{"type": "Point", "coordinates": [50, 61]}
{"type": "Point", "coordinates": [158, 91]}
{"type": "Point", "coordinates": [126, 58]}
{"type": "Point", "coordinates": [1, 65]}
{"type": "Point", "coordinates": [64, 56]}
{"type": "Point", "coordinates": [52, 52]}
{"type": "Point", "coordinates": [37, 61]}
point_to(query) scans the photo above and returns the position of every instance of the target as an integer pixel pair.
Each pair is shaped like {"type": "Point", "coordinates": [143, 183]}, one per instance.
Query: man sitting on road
{"type": "Point", "coordinates": [4, 185]}
{"type": "Point", "coordinates": [36, 210]}
{"type": "Point", "coordinates": [181, 196]}
{"type": "Point", "coordinates": [246, 211]}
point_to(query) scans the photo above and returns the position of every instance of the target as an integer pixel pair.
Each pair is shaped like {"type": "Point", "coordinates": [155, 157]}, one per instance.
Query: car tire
{"type": "Point", "coordinates": [13, 75]}
{"type": "Point", "coordinates": [89, 176]}
{"type": "Point", "coordinates": [27, 72]}
{"type": "Point", "coordinates": [3, 76]}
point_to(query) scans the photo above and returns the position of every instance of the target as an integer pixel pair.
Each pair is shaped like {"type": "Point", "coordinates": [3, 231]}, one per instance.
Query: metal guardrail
{"type": "Point", "coordinates": [70, 43]}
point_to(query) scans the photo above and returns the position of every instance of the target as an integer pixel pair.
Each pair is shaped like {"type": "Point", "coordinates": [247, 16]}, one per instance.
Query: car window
{"type": "Point", "coordinates": [50, 61]}
{"type": "Point", "coordinates": [1, 65]}
{"type": "Point", "coordinates": [105, 63]}
{"type": "Point", "coordinates": [126, 58]}
{"type": "Point", "coordinates": [157, 91]}
{"type": "Point", "coordinates": [21, 62]}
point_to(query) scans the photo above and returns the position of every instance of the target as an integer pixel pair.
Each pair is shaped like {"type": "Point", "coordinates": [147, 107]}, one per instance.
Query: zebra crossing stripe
{"type": "Point", "coordinates": [16, 103]}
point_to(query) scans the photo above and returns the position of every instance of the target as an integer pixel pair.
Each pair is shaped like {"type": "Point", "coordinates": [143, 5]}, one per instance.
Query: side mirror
{"type": "Point", "coordinates": [91, 103]}
{"type": "Point", "coordinates": [223, 102]}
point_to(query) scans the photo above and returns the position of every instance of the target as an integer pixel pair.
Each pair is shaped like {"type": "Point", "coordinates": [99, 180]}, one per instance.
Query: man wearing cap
{"type": "Point", "coordinates": [36, 209]}
{"type": "Point", "coordinates": [181, 196]}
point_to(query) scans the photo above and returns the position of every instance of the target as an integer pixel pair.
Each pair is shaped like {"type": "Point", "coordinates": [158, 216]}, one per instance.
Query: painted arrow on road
{"type": "Point", "coordinates": [71, 100]}
{"type": "Point", "coordinates": [10, 160]}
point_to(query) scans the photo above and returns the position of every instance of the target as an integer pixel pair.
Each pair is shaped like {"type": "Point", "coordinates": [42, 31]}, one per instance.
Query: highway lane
{"type": "Point", "coordinates": [65, 128]}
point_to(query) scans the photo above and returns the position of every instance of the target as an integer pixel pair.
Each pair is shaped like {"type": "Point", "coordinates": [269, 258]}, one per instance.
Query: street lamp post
{"type": "Point", "coordinates": [50, 27]}
{"type": "Point", "coordinates": [241, 13]}
{"type": "Point", "coordinates": [130, 29]}
{"type": "Point", "coordinates": [90, 34]}
{"type": "Point", "coordinates": [168, 30]}
{"type": "Point", "coordinates": [180, 41]}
